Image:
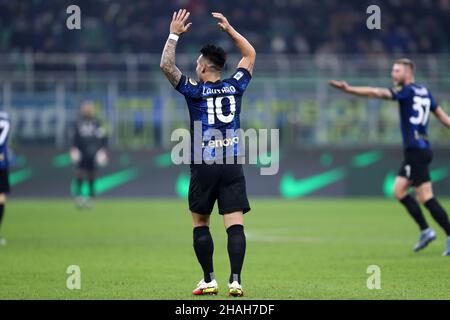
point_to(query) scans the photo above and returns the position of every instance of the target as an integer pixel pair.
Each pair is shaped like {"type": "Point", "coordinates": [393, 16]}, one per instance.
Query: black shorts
{"type": "Point", "coordinates": [415, 167]}
{"type": "Point", "coordinates": [4, 181]}
{"type": "Point", "coordinates": [87, 163]}
{"type": "Point", "coordinates": [222, 182]}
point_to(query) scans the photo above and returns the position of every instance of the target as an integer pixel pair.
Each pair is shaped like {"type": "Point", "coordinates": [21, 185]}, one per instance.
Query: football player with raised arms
{"type": "Point", "coordinates": [214, 104]}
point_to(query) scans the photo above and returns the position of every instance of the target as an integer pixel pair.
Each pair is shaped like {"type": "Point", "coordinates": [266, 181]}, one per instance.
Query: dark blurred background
{"type": "Point", "coordinates": [46, 70]}
{"type": "Point", "coordinates": [273, 26]}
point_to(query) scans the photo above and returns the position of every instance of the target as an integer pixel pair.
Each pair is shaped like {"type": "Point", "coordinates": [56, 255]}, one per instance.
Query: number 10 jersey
{"type": "Point", "coordinates": [214, 109]}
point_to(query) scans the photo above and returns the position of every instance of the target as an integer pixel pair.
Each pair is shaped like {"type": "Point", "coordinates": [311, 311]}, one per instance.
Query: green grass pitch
{"type": "Point", "coordinates": [142, 249]}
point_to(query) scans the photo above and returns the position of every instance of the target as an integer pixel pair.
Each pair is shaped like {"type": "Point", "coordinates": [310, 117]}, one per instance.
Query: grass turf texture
{"type": "Point", "coordinates": [139, 249]}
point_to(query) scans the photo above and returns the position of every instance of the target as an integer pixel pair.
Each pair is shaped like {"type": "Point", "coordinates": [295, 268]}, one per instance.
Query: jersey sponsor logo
{"type": "Point", "coordinates": [221, 142]}
{"type": "Point", "coordinates": [223, 90]}
{"type": "Point", "coordinates": [238, 75]}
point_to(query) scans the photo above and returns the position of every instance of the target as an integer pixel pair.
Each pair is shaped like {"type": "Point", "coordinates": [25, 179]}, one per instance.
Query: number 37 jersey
{"type": "Point", "coordinates": [416, 104]}
{"type": "Point", "coordinates": [214, 107]}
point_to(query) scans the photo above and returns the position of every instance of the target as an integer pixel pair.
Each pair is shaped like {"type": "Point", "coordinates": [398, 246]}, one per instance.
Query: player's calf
{"type": "Point", "coordinates": [414, 211]}
{"type": "Point", "coordinates": [236, 251]}
{"type": "Point", "coordinates": [439, 214]}
{"type": "Point", "coordinates": [441, 217]}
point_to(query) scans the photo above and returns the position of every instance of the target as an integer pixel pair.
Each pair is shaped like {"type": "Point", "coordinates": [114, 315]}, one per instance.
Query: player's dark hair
{"type": "Point", "coordinates": [406, 62]}
{"type": "Point", "coordinates": [214, 54]}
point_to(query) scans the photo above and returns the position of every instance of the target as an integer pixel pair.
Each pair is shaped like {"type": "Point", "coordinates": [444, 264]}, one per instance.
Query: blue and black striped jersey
{"type": "Point", "coordinates": [416, 102]}
{"type": "Point", "coordinates": [216, 108]}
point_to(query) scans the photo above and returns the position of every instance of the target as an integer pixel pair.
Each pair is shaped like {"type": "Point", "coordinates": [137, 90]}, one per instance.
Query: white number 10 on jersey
{"type": "Point", "coordinates": [215, 109]}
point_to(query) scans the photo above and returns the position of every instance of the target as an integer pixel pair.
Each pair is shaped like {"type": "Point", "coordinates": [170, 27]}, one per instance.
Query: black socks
{"type": "Point", "coordinates": [204, 249]}
{"type": "Point", "coordinates": [2, 210]}
{"type": "Point", "coordinates": [414, 210]}
{"type": "Point", "coordinates": [92, 188]}
{"type": "Point", "coordinates": [437, 211]}
{"type": "Point", "coordinates": [439, 214]}
{"type": "Point", "coordinates": [236, 250]}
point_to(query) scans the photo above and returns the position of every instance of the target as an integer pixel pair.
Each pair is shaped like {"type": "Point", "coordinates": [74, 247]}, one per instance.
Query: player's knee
{"type": "Point", "coordinates": [200, 220]}
{"type": "Point", "coordinates": [235, 218]}
{"type": "Point", "coordinates": [420, 198]}
{"type": "Point", "coordinates": [201, 223]}
{"type": "Point", "coordinates": [424, 193]}
{"type": "Point", "coordinates": [399, 193]}
{"type": "Point", "coordinates": [198, 224]}
{"type": "Point", "coordinates": [424, 197]}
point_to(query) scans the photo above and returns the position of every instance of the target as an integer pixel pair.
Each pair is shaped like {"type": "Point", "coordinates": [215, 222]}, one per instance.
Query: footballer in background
{"type": "Point", "coordinates": [415, 105]}
{"type": "Point", "coordinates": [5, 127]}
{"type": "Point", "coordinates": [88, 152]}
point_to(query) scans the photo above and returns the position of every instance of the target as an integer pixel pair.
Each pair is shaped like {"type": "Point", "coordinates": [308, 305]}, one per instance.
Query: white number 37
{"type": "Point", "coordinates": [422, 106]}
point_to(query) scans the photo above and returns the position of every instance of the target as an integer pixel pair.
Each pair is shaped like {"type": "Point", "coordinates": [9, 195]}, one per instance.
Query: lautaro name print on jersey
{"type": "Point", "coordinates": [214, 108]}
{"type": "Point", "coordinates": [5, 126]}
{"type": "Point", "coordinates": [416, 103]}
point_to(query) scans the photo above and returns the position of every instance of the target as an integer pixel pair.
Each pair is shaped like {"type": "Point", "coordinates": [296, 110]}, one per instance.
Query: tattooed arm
{"type": "Point", "coordinates": [167, 65]}
{"type": "Point", "coordinates": [247, 50]}
{"type": "Point", "coordinates": [178, 26]}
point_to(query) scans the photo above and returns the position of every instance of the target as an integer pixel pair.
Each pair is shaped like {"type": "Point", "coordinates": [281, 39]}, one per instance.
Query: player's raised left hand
{"type": "Point", "coordinates": [223, 22]}
{"type": "Point", "coordinates": [178, 24]}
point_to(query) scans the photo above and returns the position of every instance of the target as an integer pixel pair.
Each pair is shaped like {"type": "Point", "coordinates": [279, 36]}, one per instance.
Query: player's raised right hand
{"type": "Point", "coordinates": [223, 23]}
{"type": "Point", "coordinates": [178, 24]}
{"type": "Point", "coordinates": [341, 85]}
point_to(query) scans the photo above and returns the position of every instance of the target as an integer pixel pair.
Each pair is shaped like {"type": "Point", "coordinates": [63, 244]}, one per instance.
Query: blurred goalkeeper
{"type": "Point", "coordinates": [88, 152]}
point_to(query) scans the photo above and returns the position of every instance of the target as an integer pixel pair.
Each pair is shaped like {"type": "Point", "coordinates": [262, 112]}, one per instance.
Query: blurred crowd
{"type": "Point", "coordinates": [274, 26]}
